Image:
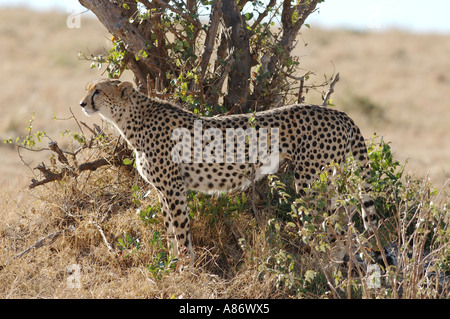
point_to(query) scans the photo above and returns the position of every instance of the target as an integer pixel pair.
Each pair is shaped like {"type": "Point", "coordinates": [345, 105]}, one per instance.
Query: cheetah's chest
{"type": "Point", "coordinates": [143, 166]}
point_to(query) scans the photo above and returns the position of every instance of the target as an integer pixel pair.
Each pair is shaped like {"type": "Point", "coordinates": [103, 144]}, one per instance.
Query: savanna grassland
{"type": "Point", "coordinates": [392, 83]}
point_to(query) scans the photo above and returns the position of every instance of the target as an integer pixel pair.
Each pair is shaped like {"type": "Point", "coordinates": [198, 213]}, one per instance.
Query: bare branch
{"type": "Point", "coordinates": [221, 50]}
{"type": "Point", "coordinates": [49, 176]}
{"type": "Point", "coordinates": [61, 157]}
{"type": "Point", "coordinates": [300, 91]}
{"type": "Point", "coordinates": [47, 240]}
{"type": "Point", "coordinates": [211, 35]}
{"type": "Point", "coordinates": [119, 153]}
{"type": "Point", "coordinates": [214, 93]}
{"type": "Point", "coordinates": [111, 16]}
{"type": "Point", "coordinates": [178, 11]}
{"type": "Point", "coordinates": [292, 19]}
{"type": "Point", "coordinates": [263, 14]}
{"type": "Point", "coordinates": [94, 165]}
{"type": "Point", "coordinates": [326, 99]}
{"type": "Point", "coordinates": [100, 230]}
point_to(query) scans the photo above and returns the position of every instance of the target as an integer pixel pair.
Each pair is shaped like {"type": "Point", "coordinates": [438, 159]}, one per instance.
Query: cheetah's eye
{"type": "Point", "coordinates": [93, 96]}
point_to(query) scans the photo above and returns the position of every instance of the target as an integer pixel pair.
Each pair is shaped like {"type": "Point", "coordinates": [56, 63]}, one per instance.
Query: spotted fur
{"type": "Point", "coordinates": [310, 136]}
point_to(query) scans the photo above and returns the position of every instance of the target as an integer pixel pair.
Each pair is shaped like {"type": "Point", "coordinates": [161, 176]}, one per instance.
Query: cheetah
{"type": "Point", "coordinates": [168, 148]}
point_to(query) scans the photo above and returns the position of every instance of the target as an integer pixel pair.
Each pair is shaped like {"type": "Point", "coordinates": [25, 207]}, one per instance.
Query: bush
{"type": "Point", "coordinates": [410, 252]}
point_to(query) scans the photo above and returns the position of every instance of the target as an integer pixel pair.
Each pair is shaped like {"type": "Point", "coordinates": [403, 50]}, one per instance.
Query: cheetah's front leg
{"type": "Point", "coordinates": [167, 216]}
{"type": "Point", "coordinates": [176, 220]}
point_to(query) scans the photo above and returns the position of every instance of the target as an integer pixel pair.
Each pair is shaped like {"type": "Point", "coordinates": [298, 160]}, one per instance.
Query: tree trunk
{"type": "Point", "coordinates": [163, 49]}
{"type": "Point", "coordinates": [239, 48]}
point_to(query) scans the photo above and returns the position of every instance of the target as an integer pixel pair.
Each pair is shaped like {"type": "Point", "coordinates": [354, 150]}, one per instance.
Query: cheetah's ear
{"type": "Point", "coordinates": [125, 89]}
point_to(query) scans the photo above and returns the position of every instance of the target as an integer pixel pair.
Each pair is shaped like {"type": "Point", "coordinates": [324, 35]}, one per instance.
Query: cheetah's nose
{"type": "Point", "coordinates": [83, 104]}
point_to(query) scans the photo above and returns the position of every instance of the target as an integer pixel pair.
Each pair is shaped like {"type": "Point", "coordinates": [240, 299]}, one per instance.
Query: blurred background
{"type": "Point", "coordinates": [392, 56]}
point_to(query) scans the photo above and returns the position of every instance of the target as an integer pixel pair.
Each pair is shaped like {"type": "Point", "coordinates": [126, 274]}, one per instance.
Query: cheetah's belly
{"type": "Point", "coordinates": [216, 177]}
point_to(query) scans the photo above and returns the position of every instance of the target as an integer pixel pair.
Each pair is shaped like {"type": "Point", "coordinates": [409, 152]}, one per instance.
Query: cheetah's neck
{"type": "Point", "coordinates": [128, 119]}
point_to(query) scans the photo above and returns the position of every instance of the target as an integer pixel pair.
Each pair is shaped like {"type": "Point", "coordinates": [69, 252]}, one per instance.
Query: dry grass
{"type": "Point", "coordinates": [104, 199]}
{"type": "Point", "coordinates": [109, 246]}
{"type": "Point", "coordinates": [389, 84]}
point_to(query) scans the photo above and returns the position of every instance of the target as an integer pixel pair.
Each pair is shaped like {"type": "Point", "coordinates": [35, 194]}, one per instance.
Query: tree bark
{"type": "Point", "coordinates": [158, 59]}
{"type": "Point", "coordinates": [239, 48]}
{"type": "Point", "coordinates": [113, 18]}
{"type": "Point", "coordinates": [211, 36]}
{"type": "Point", "coordinates": [292, 19]}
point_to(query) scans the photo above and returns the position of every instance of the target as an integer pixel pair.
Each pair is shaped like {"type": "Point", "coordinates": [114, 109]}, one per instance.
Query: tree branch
{"type": "Point", "coordinates": [55, 148]}
{"type": "Point", "coordinates": [292, 19]}
{"type": "Point", "coordinates": [239, 79]}
{"type": "Point", "coordinates": [41, 242]}
{"type": "Point", "coordinates": [326, 99]}
{"type": "Point", "coordinates": [49, 176]}
{"type": "Point", "coordinates": [216, 87]}
{"type": "Point", "coordinates": [210, 36]}
{"type": "Point", "coordinates": [111, 16]}
{"type": "Point", "coordinates": [119, 153]}
{"type": "Point", "coordinates": [264, 14]}
{"type": "Point", "coordinates": [178, 11]}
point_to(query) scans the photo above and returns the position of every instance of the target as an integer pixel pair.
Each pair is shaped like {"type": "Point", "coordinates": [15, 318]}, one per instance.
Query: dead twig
{"type": "Point", "coordinates": [100, 230]}
{"type": "Point", "coordinates": [302, 83]}
{"type": "Point", "coordinates": [49, 176]}
{"type": "Point", "coordinates": [76, 121]}
{"type": "Point", "coordinates": [326, 99]}
{"type": "Point", "coordinates": [47, 240]}
{"type": "Point", "coordinates": [231, 111]}
{"type": "Point", "coordinates": [300, 91]}
{"type": "Point", "coordinates": [116, 159]}
{"type": "Point", "coordinates": [61, 157]}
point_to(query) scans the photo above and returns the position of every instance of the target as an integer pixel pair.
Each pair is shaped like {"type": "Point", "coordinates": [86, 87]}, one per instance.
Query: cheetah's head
{"type": "Point", "coordinates": [104, 95]}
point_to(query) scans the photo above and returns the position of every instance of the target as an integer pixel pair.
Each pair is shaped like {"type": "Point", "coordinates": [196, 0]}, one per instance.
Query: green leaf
{"type": "Point", "coordinates": [127, 161]}
{"type": "Point", "coordinates": [291, 224]}
{"type": "Point", "coordinates": [310, 275]}
{"type": "Point", "coordinates": [248, 16]}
